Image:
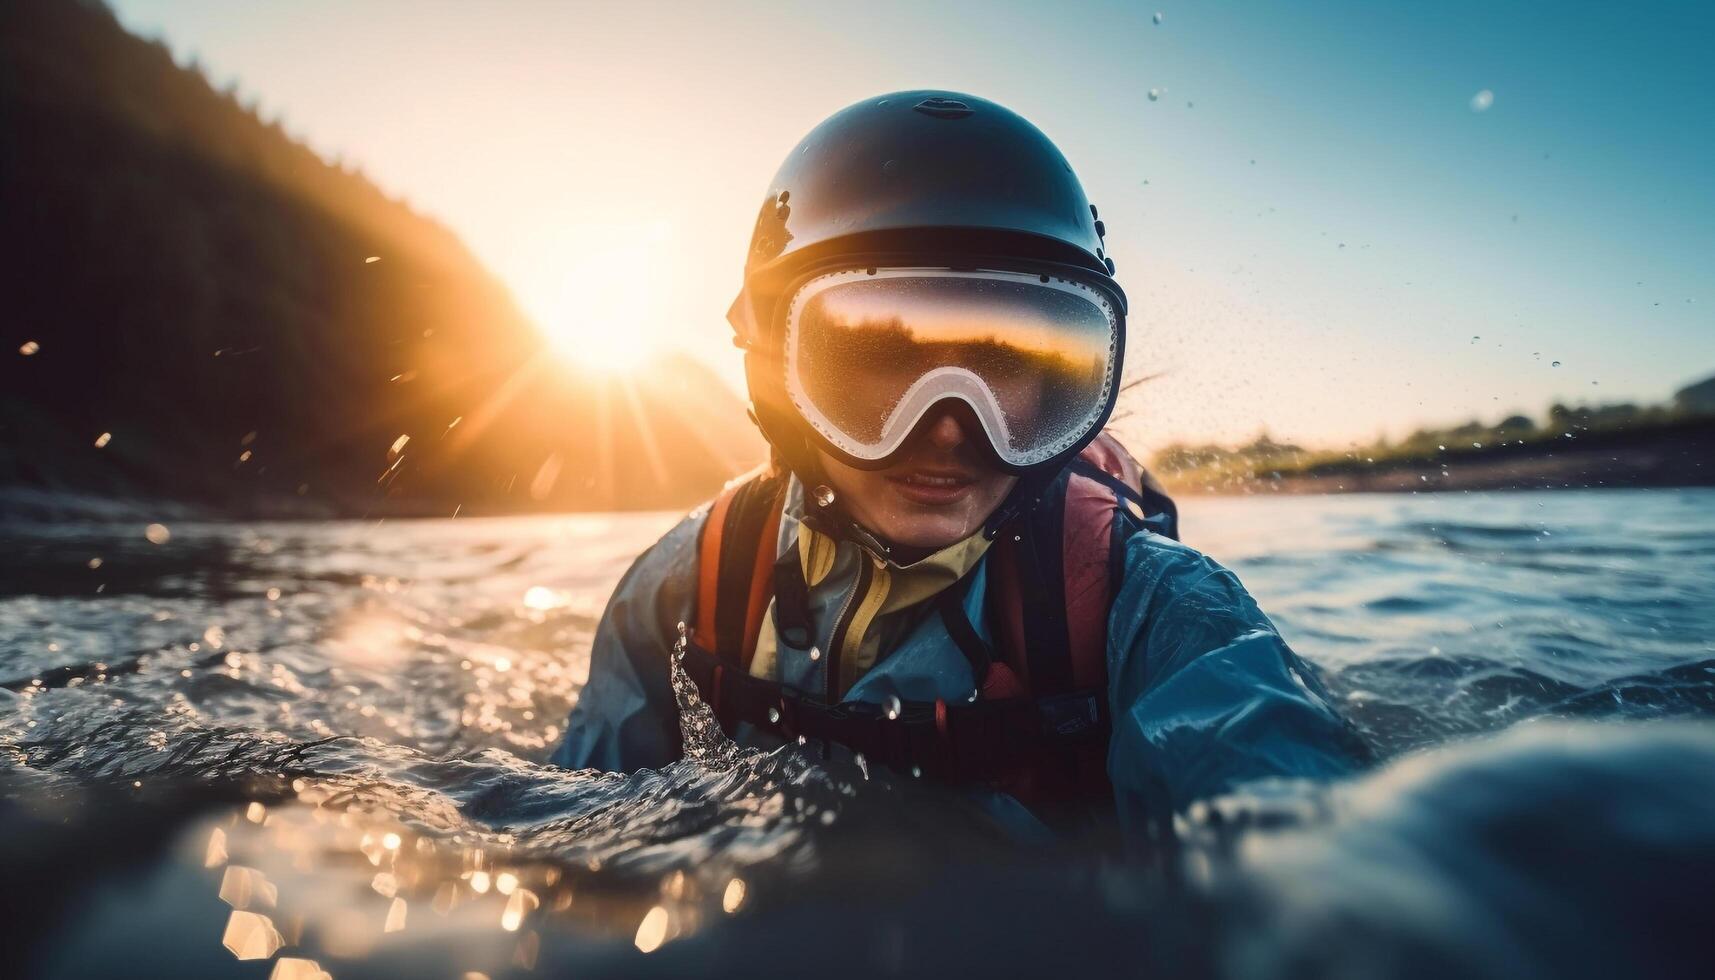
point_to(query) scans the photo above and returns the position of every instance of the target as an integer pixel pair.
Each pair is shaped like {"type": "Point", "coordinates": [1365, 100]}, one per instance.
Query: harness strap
{"type": "Point", "coordinates": [738, 547]}
{"type": "Point", "coordinates": [1039, 728]}
{"type": "Point", "coordinates": [972, 742]}
{"type": "Point", "coordinates": [951, 605]}
{"type": "Point", "coordinates": [1159, 512]}
{"type": "Point", "coordinates": [792, 602]}
{"type": "Point", "coordinates": [1085, 468]}
{"type": "Point", "coordinates": [708, 560]}
{"type": "Point", "coordinates": [1038, 564]}
{"type": "Point", "coordinates": [1087, 581]}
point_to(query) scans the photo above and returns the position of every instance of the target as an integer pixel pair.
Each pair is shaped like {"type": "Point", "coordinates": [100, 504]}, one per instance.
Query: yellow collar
{"type": "Point", "coordinates": [907, 585]}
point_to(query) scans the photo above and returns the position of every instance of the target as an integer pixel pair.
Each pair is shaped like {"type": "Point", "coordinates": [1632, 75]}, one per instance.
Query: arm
{"type": "Point", "coordinates": [1204, 692]}
{"type": "Point", "coordinates": [625, 717]}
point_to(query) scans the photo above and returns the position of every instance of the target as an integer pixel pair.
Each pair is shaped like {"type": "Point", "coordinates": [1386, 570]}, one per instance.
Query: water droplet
{"type": "Point", "coordinates": [652, 931]}
{"type": "Point", "coordinates": [95, 563]}
{"type": "Point", "coordinates": [298, 968]}
{"type": "Point", "coordinates": [890, 168]}
{"type": "Point", "coordinates": [972, 697]}
{"type": "Point", "coordinates": [815, 653]}
{"type": "Point", "coordinates": [892, 706]}
{"type": "Point", "coordinates": [774, 716]}
{"type": "Point", "coordinates": [521, 904]}
{"type": "Point", "coordinates": [1157, 18]}
{"type": "Point", "coordinates": [1553, 363]}
{"type": "Point", "coordinates": [1155, 94]}
{"type": "Point", "coordinates": [824, 495]}
{"type": "Point", "coordinates": [216, 854]}
{"type": "Point", "coordinates": [247, 888]}
{"type": "Point", "coordinates": [398, 446]}
{"type": "Point", "coordinates": [916, 772]}
{"type": "Point", "coordinates": [372, 260]}
{"type": "Point", "coordinates": [733, 897]}
{"type": "Point", "coordinates": [157, 534]}
{"type": "Point", "coordinates": [250, 936]}
{"type": "Point", "coordinates": [1482, 100]}
{"type": "Point", "coordinates": [103, 439]}
{"type": "Point", "coordinates": [29, 347]}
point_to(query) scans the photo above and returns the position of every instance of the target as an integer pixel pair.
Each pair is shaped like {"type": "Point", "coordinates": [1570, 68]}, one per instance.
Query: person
{"type": "Point", "coordinates": [948, 567]}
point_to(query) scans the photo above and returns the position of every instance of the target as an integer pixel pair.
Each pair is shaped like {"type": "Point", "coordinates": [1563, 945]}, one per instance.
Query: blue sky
{"type": "Point", "coordinates": [1319, 234]}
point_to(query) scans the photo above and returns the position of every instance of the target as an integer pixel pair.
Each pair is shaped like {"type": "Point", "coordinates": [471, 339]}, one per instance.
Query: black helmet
{"type": "Point", "coordinates": [919, 178]}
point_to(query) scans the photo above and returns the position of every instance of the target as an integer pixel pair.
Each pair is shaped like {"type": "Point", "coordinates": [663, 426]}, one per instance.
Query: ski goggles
{"type": "Point", "coordinates": [868, 352]}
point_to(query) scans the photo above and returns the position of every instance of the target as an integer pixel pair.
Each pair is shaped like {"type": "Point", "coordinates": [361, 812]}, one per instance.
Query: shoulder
{"type": "Point", "coordinates": [676, 549]}
{"type": "Point", "coordinates": [664, 576]}
{"type": "Point", "coordinates": [1171, 587]}
{"type": "Point", "coordinates": [1163, 570]}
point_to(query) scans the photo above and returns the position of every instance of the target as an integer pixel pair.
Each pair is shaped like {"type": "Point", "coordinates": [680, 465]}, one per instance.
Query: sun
{"type": "Point", "coordinates": [599, 340]}
{"type": "Point", "coordinates": [598, 299]}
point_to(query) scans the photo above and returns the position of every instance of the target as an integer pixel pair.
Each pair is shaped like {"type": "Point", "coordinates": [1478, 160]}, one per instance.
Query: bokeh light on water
{"type": "Point", "coordinates": [327, 740]}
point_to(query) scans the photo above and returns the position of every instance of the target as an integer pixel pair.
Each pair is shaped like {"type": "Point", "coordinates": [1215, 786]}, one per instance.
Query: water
{"type": "Point", "coordinates": [319, 745]}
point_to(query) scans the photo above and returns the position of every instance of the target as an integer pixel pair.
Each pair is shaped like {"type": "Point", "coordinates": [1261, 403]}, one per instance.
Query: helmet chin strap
{"type": "Point", "coordinates": [826, 514]}
{"type": "Point", "coordinates": [1025, 495]}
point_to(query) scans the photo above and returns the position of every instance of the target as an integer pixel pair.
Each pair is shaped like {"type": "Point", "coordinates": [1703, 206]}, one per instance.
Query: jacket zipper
{"type": "Point", "coordinates": [842, 623]}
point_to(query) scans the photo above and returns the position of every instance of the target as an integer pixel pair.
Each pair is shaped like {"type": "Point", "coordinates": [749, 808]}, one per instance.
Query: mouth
{"type": "Point", "coordinates": [933, 487]}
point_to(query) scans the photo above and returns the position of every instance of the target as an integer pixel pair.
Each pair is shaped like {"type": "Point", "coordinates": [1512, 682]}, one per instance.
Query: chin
{"type": "Point", "coordinates": [928, 534]}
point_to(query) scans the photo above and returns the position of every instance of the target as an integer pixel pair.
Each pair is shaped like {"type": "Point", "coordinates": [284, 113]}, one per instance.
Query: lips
{"type": "Point", "coordinates": [933, 488]}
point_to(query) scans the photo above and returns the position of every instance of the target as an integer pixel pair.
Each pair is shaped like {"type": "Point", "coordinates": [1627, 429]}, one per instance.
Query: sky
{"type": "Point", "coordinates": [1325, 229]}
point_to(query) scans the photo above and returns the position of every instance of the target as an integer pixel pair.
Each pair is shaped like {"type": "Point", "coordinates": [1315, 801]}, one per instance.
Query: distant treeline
{"type": "Point", "coordinates": [241, 324]}
{"type": "Point", "coordinates": [1668, 443]}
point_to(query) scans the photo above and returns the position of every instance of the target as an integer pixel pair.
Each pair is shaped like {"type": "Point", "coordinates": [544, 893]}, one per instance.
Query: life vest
{"type": "Point", "coordinates": [1037, 726]}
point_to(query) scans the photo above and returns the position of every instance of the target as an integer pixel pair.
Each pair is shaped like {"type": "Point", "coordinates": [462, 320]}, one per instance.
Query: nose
{"type": "Point", "coordinates": [946, 432]}
{"type": "Point", "coordinates": [949, 426]}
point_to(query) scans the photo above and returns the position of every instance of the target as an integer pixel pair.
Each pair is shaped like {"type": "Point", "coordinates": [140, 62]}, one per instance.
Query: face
{"type": "Point", "coordinates": [939, 490]}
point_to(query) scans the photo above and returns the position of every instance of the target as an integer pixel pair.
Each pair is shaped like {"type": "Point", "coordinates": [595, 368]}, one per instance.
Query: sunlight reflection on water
{"type": "Point", "coordinates": [344, 721]}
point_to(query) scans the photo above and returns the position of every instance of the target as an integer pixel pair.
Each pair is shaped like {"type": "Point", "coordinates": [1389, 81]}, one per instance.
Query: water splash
{"type": "Point", "coordinates": [705, 743]}
{"type": "Point", "coordinates": [364, 672]}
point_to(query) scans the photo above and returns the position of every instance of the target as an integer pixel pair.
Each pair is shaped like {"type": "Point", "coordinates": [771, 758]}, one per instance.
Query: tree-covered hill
{"type": "Point", "coordinates": [254, 329]}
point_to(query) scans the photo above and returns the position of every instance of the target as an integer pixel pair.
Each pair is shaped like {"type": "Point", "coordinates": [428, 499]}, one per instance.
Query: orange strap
{"type": "Point", "coordinates": [761, 584]}
{"type": "Point", "coordinates": [709, 564]}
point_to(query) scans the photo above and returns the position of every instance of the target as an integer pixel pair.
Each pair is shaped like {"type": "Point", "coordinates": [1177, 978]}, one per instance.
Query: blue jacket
{"type": "Point", "coordinates": [1204, 692]}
